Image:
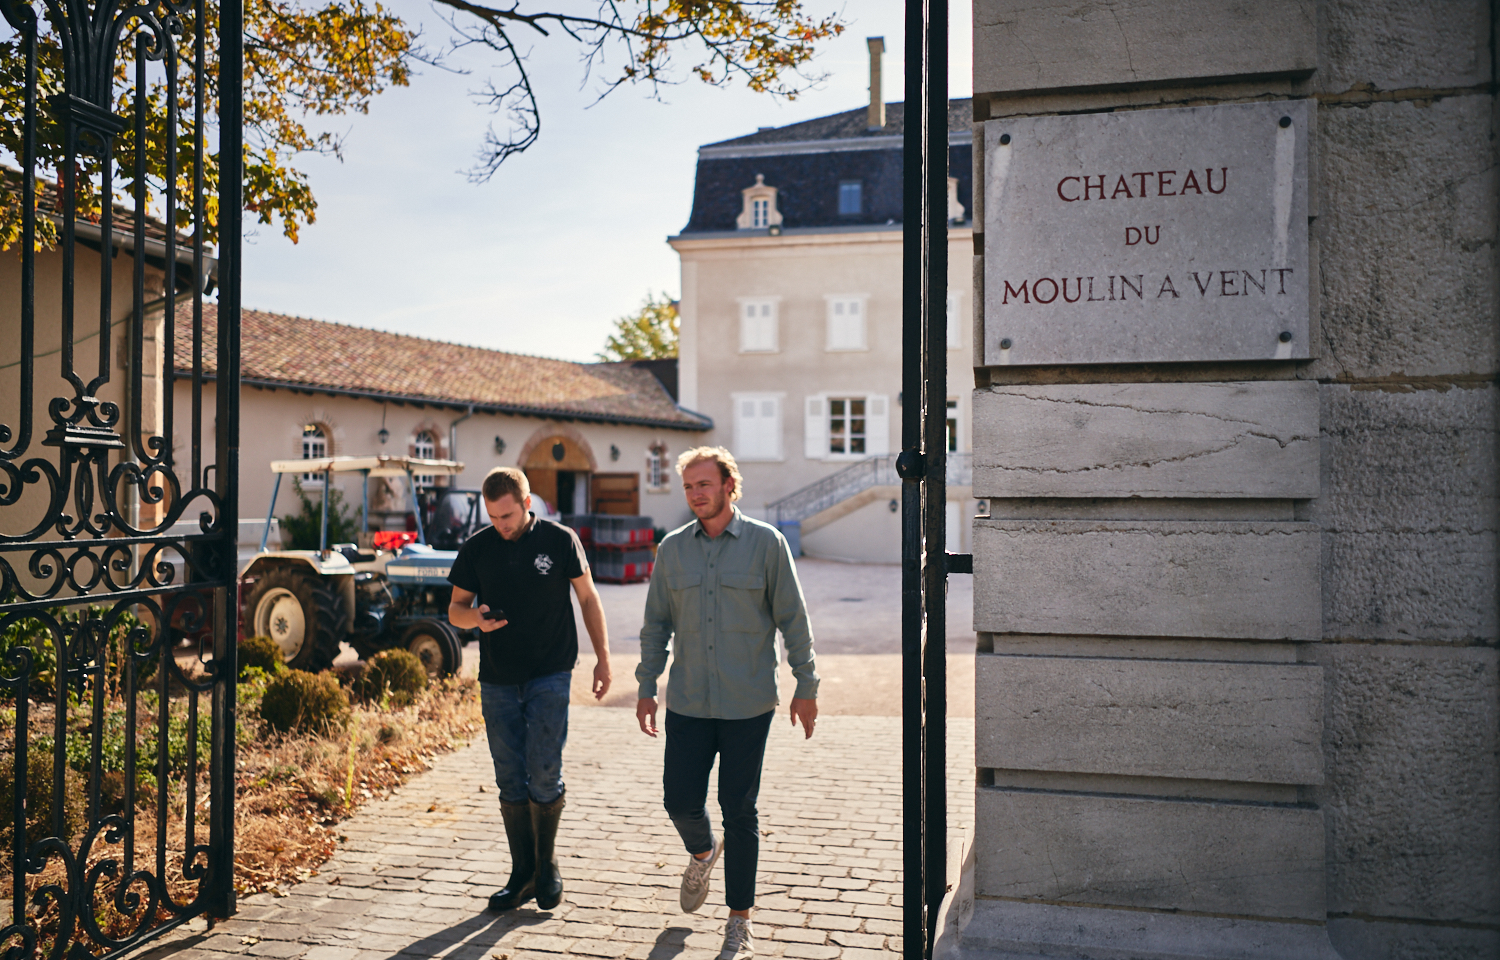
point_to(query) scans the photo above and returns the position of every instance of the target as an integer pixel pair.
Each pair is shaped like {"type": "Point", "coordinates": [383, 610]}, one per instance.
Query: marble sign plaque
{"type": "Point", "coordinates": [1147, 236]}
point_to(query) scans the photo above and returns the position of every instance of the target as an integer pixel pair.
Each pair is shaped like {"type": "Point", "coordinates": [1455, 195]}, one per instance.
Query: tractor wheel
{"type": "Point", "coordinates": [304, 614]}
{"type": "Point", "coordinates": [436, 646]}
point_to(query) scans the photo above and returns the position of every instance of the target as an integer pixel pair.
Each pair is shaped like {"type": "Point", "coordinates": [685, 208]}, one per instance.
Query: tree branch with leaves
{"type": "Point", "coordinates": [648, 334]}
{"type": "Point", "coordinates": [306, 64]}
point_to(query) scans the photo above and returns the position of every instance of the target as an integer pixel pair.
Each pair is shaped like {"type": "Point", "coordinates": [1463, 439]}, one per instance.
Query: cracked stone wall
{"type": "Point", "coordinates": [1238, 691]}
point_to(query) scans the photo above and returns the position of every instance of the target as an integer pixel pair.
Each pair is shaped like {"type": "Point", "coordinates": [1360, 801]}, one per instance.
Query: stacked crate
{"type": "Point", "coordinates": [618, 547]}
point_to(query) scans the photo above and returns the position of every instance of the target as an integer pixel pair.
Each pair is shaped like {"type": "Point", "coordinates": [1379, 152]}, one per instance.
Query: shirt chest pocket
{"type": "Point", "coordinates": [687, 600]}
{"type": "Point", "coordinates": [743, 602]}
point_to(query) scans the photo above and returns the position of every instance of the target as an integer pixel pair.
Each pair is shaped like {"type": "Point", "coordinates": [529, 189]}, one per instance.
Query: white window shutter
{"type": "Point", "coordinates": [757, 426]}
{"type": "Point", "coordinates": [877, 424]}
{"type": "Point", "coordinates": [744, 426]}
{"type": "Point", "coordinates": [846, 324]}
{"type": "Point", "coordinates": [747, 327]}
{"type": "Point", "coordinates": [758, 327]}
{"type": "Point", "coordinates": [770, 428]}
{"type": "Point", "coordinates": [815, 429]}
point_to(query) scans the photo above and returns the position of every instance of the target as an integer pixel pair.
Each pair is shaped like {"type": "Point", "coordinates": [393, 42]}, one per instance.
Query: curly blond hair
{"type": "Point", "coordinates": [728, 469]}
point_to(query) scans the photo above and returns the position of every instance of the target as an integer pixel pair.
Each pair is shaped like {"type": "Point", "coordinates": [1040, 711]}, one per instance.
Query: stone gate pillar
{"type": "Point", "coordinates": [1235, 415]}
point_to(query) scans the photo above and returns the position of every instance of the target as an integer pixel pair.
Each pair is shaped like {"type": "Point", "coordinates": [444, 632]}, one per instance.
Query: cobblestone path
{"type": "Point", "coordinates": [412, 877]}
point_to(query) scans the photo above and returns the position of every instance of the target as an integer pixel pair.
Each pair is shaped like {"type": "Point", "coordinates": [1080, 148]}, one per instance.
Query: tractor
{"type": "Point", "coordinates": [312, 601]}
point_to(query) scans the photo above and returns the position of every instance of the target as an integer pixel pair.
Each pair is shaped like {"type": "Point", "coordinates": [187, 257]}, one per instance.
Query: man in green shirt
{"type": "Point", "coordinates": [723, 585]}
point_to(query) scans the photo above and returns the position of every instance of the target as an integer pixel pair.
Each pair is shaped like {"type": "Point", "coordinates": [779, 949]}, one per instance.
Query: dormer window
{"type": "Point", "coordinates": [955, 209]}
{"type": "Point", "coordinates": [759, 211]}
{"type": "Point", "coordinates": [851, 199]}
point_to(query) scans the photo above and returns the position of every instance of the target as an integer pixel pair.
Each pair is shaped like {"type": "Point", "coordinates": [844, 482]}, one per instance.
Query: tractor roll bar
{"type": "Point", "coordinates": [380, 465]}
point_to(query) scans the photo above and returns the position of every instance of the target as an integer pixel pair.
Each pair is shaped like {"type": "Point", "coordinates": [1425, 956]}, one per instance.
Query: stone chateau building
{"type": "Point", "coordinates": [791, 319]}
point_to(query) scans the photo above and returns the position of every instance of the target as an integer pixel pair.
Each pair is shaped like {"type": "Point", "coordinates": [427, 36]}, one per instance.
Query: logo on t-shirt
{"type": "Point", "coordinates": [543, 564]}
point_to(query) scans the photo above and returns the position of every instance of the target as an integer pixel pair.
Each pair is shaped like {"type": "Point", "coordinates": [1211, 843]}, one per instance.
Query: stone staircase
{"type": "Point", "coordinates": [839, 494]}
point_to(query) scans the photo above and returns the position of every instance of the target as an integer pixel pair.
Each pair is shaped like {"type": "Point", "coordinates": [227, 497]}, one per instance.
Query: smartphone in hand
{"type": "Point", "coordinates": [492, 614]}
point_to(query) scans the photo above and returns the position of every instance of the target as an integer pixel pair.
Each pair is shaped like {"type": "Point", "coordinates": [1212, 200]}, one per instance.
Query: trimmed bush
{"type": "Point", "coordinates": [305, 702]}
{"type": "Point", "coordinates": [261, 653]}
{"type": "Point", "coordinates": [398, 674]}
{"type": "Point", "coordinates": [39, 801]}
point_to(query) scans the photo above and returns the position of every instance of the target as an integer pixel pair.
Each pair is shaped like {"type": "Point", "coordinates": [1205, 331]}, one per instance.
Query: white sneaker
{"type": "Point", "coordinates": [695, 878]}
{"type": "Point", "coordinates": [739, 940]}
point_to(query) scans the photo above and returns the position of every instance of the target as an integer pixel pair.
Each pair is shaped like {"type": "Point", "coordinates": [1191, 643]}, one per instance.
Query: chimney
{"type": "Point", "coordinates": [877, 103]}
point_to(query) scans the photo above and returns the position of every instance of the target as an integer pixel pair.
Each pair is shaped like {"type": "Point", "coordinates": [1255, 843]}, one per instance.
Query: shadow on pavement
{"type": "Point", "coordinates": [475, 938]}
{"type": "Point", "coordinates": [669, 943]}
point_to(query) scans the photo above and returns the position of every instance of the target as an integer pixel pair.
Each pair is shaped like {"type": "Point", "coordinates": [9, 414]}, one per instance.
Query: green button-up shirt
{"type": "Point", "coordinates": [720, 601]}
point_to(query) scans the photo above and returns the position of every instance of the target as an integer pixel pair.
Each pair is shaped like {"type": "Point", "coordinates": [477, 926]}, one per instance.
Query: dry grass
{"type": "Point", "coordinates": [291, 793]}
{"type": "Point", "coordinates": [294, 790]}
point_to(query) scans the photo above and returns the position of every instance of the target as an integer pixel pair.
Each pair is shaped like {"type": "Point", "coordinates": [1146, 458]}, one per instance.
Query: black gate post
{"type": "Point", "coordinates": [908, 465]}
{"type": "Point", "coordinates": [220, 898]}
{"type": "Point", "coordinates": [935, 444]}
{"type": "Point", "coordinates": [923, 469]}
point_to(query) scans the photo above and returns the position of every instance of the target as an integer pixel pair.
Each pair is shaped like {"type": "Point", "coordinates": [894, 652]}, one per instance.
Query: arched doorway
{"type": "Point", "coordinates": [558, 464]}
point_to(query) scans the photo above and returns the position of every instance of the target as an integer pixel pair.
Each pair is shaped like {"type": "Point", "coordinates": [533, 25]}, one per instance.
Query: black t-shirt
{"type": "Point", "coordinates": [529, 580]}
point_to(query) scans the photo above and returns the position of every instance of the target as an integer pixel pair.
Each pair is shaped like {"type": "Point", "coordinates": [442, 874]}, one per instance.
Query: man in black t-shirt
{"type": "Point", "coordinates": [511, 582]}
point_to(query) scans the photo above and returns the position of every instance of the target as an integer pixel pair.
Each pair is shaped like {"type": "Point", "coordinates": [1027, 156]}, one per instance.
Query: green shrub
{"type": "Point", "coordinates": [397, 674]}
{"type": "Point", "coordinates": [260, 653]}
{"type": "Point", "coordinates": [34, 634]}
{"type": "Point", "coordinates": [306, 702]}
{"type": "Point", "coordinates": [300, 530]}
{"type": "Point", "coordinates": [39, 798]}
{"type": "Point", "coordinates": [112, 791]}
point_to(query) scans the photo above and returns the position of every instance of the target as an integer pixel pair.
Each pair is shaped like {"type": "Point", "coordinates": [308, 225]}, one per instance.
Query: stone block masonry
{"type": "Point", "coordinates": [1256, 440]}
{"type": "Point", "coordinates": [1236, 689]}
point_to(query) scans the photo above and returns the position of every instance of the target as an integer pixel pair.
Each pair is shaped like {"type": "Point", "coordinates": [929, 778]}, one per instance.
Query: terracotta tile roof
{"type": "Point", "coordinates": [49, 203]}
{"type": "Point", "coordinates": [278, 350]}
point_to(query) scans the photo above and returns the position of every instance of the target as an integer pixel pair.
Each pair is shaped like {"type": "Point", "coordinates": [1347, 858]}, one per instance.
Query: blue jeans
{"type": "Point", "coordinates": [527, 726]}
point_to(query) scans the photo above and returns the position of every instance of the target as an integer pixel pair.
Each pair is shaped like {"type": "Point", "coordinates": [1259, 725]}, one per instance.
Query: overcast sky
{"type": "Point", "coordinates": [564, 238]}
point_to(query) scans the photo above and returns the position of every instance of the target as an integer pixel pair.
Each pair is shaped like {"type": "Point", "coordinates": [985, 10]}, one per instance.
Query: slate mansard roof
{"type": "Point", "coordinates": [324, 357]}
{"type": "Point", "coordinates": [807, 161]}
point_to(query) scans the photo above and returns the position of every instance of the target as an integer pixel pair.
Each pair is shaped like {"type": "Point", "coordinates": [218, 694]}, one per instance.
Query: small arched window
{"type": "Point", "coordinates": [424, 447]}
{"type": "Point", "coordinates": [759, 211]}
{"type": "Point", "coordinates": [314, 447]}
{"type": "Point", "coordinates": [658, 468]}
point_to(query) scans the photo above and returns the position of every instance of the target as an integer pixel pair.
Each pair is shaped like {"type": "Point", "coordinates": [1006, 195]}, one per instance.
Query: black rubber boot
{"type": "Point", "coordinates": [518, 831]}
{"type": "Point", "coordinates": [544, 820]}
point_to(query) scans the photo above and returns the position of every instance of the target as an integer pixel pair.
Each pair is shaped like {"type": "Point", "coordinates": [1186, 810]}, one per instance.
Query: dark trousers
{"type": "Point", "coordinates": [692, 744]}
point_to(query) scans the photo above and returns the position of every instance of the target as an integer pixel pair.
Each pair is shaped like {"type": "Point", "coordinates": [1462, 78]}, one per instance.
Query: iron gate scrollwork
{"type": "Point", "coordinates": [119, 147]}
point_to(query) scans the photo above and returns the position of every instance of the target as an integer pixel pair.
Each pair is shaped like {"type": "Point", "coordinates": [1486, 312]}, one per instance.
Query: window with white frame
{"type": "Point", "coordinates": [658, 469]}
{"type": "Point", "coordinates": [952, 426]}
{"type": "Point", "coordinates": [757, 426]}
{"type": "Point", "coordinates": [846, 323]}
{"type": "Point", "coordinates": [424, 447]}
{"type": "Point", "coordinates": [955, 320]}
{"type": "Point", "coordinates": [758, 326]}
{"type": "Point", "coordinates": [759, 210]}
{"type": "Point", "coordinates": [844, 426]}
{"type": "Point", "coordinates": [314, 447]}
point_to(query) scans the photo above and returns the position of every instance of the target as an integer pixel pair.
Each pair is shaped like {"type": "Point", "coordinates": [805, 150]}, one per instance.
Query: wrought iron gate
{"type": "Point", "coordinates": [118, 468]}
{"type": "Point", "coordinates": [922, 466]}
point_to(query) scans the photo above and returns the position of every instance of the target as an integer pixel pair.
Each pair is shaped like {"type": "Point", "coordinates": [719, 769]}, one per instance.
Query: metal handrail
{"type": "Point", "coordinates": [853, 480]}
